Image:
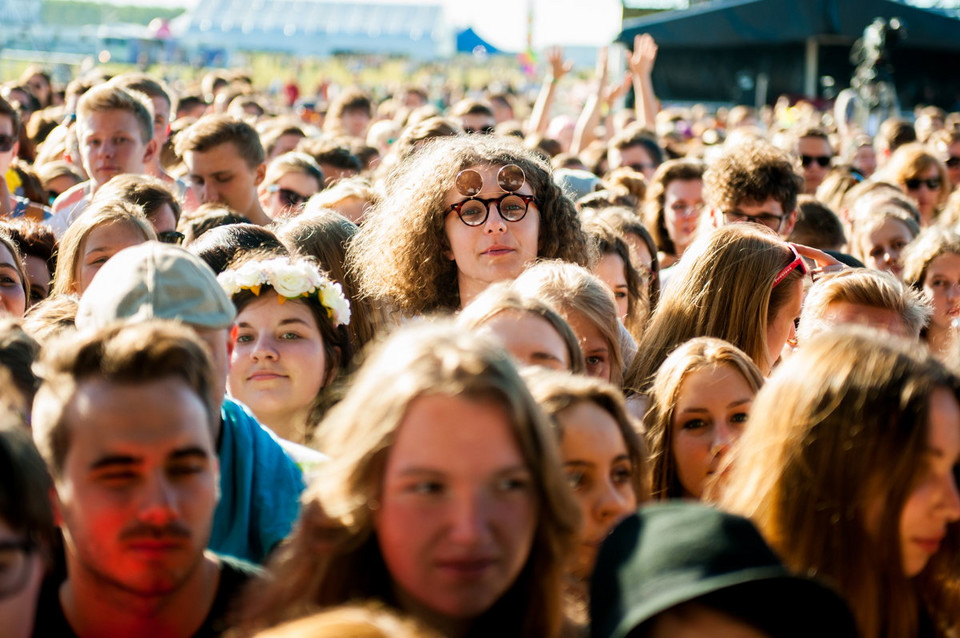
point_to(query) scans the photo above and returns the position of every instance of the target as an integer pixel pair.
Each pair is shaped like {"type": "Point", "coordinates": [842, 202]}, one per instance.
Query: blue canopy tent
{"type": "Point", "coordinates": [468, 41]}
{"type": "Point", "coordinates": [796, 42]}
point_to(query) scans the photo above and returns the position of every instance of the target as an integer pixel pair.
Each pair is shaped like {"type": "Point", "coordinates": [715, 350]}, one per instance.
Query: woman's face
{"type": "Point", "coordinates": [458, 507]}
{"type": "Point", "coordinates": [600, 471]}
{"type": "Point", "coordinates": [278, 364]}
{"type": "Point", "coordinates": [781, 325]}
{"type": "Point", "coordinates": [13, 299]}
{"type": "Point", "coordinates": [865, 160]}
{"type": "Point", "coordinates": [933, 502]}
{"type": "Point", "coordinates": [26, 569]}
{"type": "Point", "coordinates": [884, 245]}
{"type": "Point", "coordinates": [612, 272]}
{"type": "Point", "coordinates": [711, 410]}
{"type": "Point", "coordinates": [595, 347]}
{"type": "Point", "coordinates": [495, 250]}
{"type": "Point", "coordinates": [927, 198]}
{"type": "Point", "coordinates": [286, 196]}
{"type": "Point", "coordinates": [953, 172]}
{"type": "Point", "coordinates": [530, 339]}
{"type": "Point", "coordinates": [683, 201]}
{"type": "Point", "coordinates": [942, 284]}
{"type": "Point", "coordinates": [101, 244]}
{"type": "Point", "coordinates": [39, 275]}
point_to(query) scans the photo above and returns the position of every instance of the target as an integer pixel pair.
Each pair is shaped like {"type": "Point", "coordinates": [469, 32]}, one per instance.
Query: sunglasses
{"type": "Point", "coordinates": [952, 162]}
{"type": "Point", "coordinates": [170, 237]}
{"type": "Point", "coordinates": [290, 198]}
{"type": "Point", "coordinates": [914, 184]}
{"type": "Point", "coordinates": [7, 142]}
{"type": "Point", "coordinates": [796, 263]}
{"type": "Point", "coordinates": [473, 211]}
{"type": "Point", "coordinates": [822, 160]}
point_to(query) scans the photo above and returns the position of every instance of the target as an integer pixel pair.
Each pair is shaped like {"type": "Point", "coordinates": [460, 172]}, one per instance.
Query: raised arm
{"type": "Point", "coordinates": [641, 67]}
{"type": "Point", "coordinates": [559, 67]}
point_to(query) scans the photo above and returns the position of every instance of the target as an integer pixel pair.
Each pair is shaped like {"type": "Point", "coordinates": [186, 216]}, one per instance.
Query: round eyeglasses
{"type": "Point", "coordinates": [512, 206]}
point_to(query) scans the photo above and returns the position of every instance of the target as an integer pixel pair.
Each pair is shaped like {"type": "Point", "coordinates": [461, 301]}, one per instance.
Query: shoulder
{"type": "Point", "coordinates": [70, 196]}
{"type": "Point", "coordinates": [235, 574]}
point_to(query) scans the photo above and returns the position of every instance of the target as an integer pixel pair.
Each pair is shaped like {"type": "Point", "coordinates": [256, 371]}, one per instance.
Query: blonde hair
{"type": "Point", "coordinates": [722, 288]}
{"type": "Point", "coordinates": [110, 97]}
{"type": "Point", "coordinates": [870, 220]}
{"type": "Point", "coordinates": [865, 287]}
{"type": "Point", "coordinates": [503, 297]}
{"type": "Point", "coordinates": [931, 243]}
{"type": "Point", "coordinates": [73, 243]}
{"type": "Point", "coordinates": [839, 430]}
{"type": "Point", "coordinates": [694, 355]}
{"type": "Point", "coordinates": [574, 289]}
{"type": "Point", "coordinates": [909, 161]}
{"type": "Point", "coordinates": [333, 556]}
{"type": "Point", "coordinates": [351, 621]}
{"type": "Point", "coordinates": [292, 162]}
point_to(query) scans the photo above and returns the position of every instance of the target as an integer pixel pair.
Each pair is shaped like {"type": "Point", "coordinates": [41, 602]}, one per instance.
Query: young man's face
{"type": "Point", "coordinates": [815, 157]}
{"type": "Point", "coordinates": [111, 144]}
{"type": "Point", "coordinates": [769, 213]}
{"type": "Point", "coordinates": [138, 487]}
{"type": "Point", "coordinates": [7, 136]}
{"type": "Point", "coordinates": [221, 174]}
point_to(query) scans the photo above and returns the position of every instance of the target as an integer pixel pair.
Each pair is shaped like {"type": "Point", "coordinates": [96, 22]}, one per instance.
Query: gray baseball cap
{"type": "Point", "coordinates": [155, 281]}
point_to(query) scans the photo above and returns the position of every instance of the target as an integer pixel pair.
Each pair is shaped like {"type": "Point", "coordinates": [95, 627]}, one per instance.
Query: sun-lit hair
{"type": "Point", "coordinates": [556, 391]}
{"type": "Point", "coordinates": [928, 245]}
{"type": "Point", "coordinates": [870, 220]}
{"type": "Point", "coordinates": [503, 297]}
{"type": "Point", "coordinates": [353, 621]}
{"type": "Point", "coordinates": [108, 97]}
{"type": "Point", "coordinates": [911, 161]}
{"type": "Point", "coordinates": [333, 555]}
{"type": "Point", "coordinates": [864, 287]}
{"type": "Point", "coordinates": [292, 162]}
{"type": "Point", "coordinates": [109, 212]}
{"type": "Point", "coordinates": [573, 289]}
{"type": "Point", "coordinates": [326, 237]}
{"type": "Point", "coordinates": [609, 242]}
{"type": "Point", "coordinates": [214, 130]}
{"type": "Point", "coordinates": [694, 355]}
{"type": "Point", "coordinates": [723, 288]}
{"type": "Point", "coordinates": [835, 443]}
{"type": "Point", "coordinates": [401, 252]}
{"type": "Point", "coordinates": [752, 172]}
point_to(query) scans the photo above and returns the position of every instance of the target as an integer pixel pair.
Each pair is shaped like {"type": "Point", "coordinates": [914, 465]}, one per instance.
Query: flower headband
{"type": "Point", "coordinates": [291, 280]}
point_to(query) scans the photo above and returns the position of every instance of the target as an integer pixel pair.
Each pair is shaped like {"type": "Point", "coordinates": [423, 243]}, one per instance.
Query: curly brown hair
{"type": "Point", "coordinates": [398, 255]}
{"type": "Point", "coordinates": [752, 172]}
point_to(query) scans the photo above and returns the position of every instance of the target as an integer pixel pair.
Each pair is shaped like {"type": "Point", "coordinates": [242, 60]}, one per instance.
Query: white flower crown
{"type": "Point", "coordinates": [291, 280]}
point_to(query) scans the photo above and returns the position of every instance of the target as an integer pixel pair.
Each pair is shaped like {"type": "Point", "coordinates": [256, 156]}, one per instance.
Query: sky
{"type": "Point", "coordinates": [503, 23]}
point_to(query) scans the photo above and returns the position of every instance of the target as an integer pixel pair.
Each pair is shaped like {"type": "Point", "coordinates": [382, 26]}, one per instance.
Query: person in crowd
{"type": "Point", "coordinates": [326, 237]}
{"type": "Point", "coordinates": [817, 226]}
{"type": "Point", "coordinates": [815, 154]}
{"type": "Point", "coordinates": [922, 177]}
{"type": "Point", "coordinates": [56, 176]}
{"type": "Point", "coordinates": [528, 328]}
{"type": "Point", "coordinates": [115, 133]}
{"type": "Point", "coordinates": [260, 484]}
{"type": "Point", "coordinates": [159, 96]}
{"type": "Point", "coordinates": [880, 236]}
{"type": "Point", "coordinates": [477, 210]}
{"type": "Point", "coordinates": [616, 271]}
{"type": "Point", "coordinates": [154, 197]}
{"type": "Point", "coordinates": [18, 352]}
{"type": "Point", "coordinates": [26, 526]}
{"type": "Point", "coordinates": [636, 148]}
{"type": "Point", "coordinates": [14, 282]}
{"type": "Point", "coordinates": [603, 457]}
{"type": "Point", "coordinates": [684, 569]}
{"type": "Point", "coordinates": [38, 80]}
{"type": "Point", "coordinates": [290, 340]}
{"type": "Point", "coordinates": [673, 207]}
{"type": "Point", "coordinates": [699, 403]}
{"type": "Point", "coordinates": [864, 297]}
{"type": "Point", "coordinates": [643, 249]}
{"type": "Point", "coordinates": [125, 422]}
{"type": "Point", "coordinates": [290, 180]}
{"type": "Point", "coordinates": [351, 197]}
{"type": "Point", "coordinates": [743, 284]}
{"type": "Point", "coordinates": [894, 132]}
{"type": "Point", "coordinates": [11, 203]}
{"type": "Point", "coordinates": [945, 144]}
{"type": "Point", "coordinates": [334, 157]}
{"type": "Point", "coordinates": [349, 114]}
{"type": "Point", "coordinates": [931, 264]}
{"type": "Point", "coordinates": [105, 229]}
{"type": "Point", "coordinates": [38, 247]}
{"type": "Point", "coordinates": [847, 469]}
{"type": "Point", "coordinates": [587, 305]}
{"type": "Point", "coordinates": [225, 164]}
{"type": "Point", "coordinates": [753, 182]}
{"type": "Point", "coordinates": [220, 246]}
{"type": "Point", "coordinates": [443, 498]}
{"type": "Point", "coordinates": [473, 116]}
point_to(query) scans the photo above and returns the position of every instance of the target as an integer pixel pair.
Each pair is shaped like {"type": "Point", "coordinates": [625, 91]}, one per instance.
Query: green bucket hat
{"type": "Point", "coordinates": [672, 553]}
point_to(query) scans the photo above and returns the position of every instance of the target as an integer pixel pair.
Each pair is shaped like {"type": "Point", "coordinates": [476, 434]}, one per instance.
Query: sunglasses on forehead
{"type": "Point", "coordinates": [511, 206]}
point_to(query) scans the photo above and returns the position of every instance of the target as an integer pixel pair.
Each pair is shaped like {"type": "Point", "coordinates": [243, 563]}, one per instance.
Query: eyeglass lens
{"type": "Point", "coordinates": [510, 179]}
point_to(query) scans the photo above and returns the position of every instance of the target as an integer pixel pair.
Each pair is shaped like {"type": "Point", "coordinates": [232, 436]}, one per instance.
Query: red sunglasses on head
{"type": "Point", "coordinates": [796, 263]}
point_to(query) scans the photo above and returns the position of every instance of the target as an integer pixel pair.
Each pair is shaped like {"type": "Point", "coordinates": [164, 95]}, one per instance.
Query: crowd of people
{"type": "Point", "coordinates": [414, 366]}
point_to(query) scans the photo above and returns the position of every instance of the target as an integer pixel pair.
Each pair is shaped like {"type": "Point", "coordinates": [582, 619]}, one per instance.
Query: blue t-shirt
{"type": "Point", "coordinates": [260, 488]}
